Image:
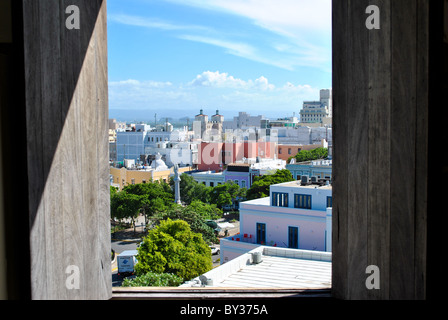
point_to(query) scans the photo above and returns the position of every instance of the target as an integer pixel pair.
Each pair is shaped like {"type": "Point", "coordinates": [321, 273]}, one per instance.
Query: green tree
{"type": "Point", "coordinates": [191, 190]}
{"type": "Point", "coordinates": [154, 197]}
{"type": "Point", "coordinates": [260, 186]}
{"type": "Point", "coordinates": [226, 194]}
{"type": "Point", "coordinates": [196, 215]}
{"type": "Point", "coordinates": [125, 206]}
{"type": "Point", "coordinates": [308, 155]}
{"type": "Point", "coordinates": [206, 211]}
{"type": "Point", "coordinates": [173, 248]}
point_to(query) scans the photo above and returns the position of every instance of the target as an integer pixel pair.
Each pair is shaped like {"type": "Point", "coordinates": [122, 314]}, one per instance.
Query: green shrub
{"type": "Point", "coordinates": [152, 279]}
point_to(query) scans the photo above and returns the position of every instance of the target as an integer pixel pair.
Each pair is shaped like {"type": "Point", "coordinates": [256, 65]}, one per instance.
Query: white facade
{"type": "Point", "coordinates": [317, 111]}
{"type": "Point", "coordinates": [294, 216]}
{"type": "Point", "coordinates": [303, 135]}
{"type": "Point", "coordinates": [208, 178]}
{"type": "Point", "coordinates": [134, 144]}
{"type": "Point", "coordinates": [243, 121]}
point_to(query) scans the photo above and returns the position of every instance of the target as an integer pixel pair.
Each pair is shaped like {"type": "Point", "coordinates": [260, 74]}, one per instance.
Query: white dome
{"type": "Point", "coordinates": [159, 164]}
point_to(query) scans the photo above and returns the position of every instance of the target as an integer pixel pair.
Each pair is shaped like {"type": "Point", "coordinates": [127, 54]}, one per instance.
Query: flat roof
{"type": "Point", "coordinates": [298, 184]}
{"type": "Point", "coordinates": [281, 272]}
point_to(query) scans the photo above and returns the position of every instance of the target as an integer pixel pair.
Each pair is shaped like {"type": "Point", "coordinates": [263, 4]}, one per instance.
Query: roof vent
{"type": "Point", "coordinates": [256, 258]}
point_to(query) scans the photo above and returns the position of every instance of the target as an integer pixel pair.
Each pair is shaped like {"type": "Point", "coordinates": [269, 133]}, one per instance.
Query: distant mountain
{"type": "Point", "coordinates": [147, 116]}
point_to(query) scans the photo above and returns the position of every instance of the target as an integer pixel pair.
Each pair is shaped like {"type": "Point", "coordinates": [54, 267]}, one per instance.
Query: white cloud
{"type": "Point", "coordinates": [140, 84]}
{"type": "Point", "coordinates": [224, 80]}
{"type": "Point", "coordinates": [153, 23]}
{"type": "Point", "coordinates": [281, 16]}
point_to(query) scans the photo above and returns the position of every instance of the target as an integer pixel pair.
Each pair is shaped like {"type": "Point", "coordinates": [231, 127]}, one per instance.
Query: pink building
{"type": "Point", "coordinates": [214, 156]}
{"type": "Point", "coordinates": [295, 216]}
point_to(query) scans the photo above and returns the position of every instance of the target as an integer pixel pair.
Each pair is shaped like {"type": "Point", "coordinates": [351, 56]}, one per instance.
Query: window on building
{"type": "Point", "coordinates": [132, 181]}
{"type": "Point", "coordinates": [279, 199]}
{"type": "Point", "coordinates": [212, 184]}
{"type": "Point", "coordinates": [293, 237]}
{"type": "Point", "coordinates": [261, 233]}
{"type": "Point", "coordinates": [237, 182]}
{"type": "Point", "coordinates": [302, 201]}
{"type": "Point", "coordinates": [279, 150]}
{"type": "Point", "coordinates": [243, 183]}
{"type": "Point", "coordinates": [143, 181]}
{"type": "Point", "coordinates": [289, 151]}
{"type": "Point", "coordinates": [329, 202]}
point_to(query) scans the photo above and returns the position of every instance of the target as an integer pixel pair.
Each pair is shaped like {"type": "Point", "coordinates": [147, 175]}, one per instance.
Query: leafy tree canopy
{"type": "Point", "coordinates": [308, 155]}
{"type": "Point", "coordinates": [260, 187]}
{"type": "Point", "coordinates": [196, 215]}
{"type": "Point", "coordinates": [174, 248]}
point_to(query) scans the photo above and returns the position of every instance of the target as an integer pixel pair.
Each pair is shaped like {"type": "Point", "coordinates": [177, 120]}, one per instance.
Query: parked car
{"type": "Point", "coordinates": [215, 250]}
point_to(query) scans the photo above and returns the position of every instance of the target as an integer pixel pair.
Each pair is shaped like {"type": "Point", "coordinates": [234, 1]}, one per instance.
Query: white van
{"type": "Point", "coordinates": [126, 262]}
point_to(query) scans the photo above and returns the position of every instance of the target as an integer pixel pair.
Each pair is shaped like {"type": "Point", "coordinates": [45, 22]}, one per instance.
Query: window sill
{"type": "Point", "coordinates": [174, 293]}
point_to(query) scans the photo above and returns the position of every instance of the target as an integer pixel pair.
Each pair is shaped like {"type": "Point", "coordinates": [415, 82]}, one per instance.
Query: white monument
{"type": "Point", "coordinates": [177, 185]}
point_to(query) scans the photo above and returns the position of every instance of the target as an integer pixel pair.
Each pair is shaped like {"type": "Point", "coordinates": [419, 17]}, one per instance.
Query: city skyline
{"type": "Point", "coordinates": [175, 57]}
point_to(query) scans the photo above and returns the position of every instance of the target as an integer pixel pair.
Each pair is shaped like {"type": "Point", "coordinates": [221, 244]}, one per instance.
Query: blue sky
{"type": "Point", "coordinates": [174, 57]}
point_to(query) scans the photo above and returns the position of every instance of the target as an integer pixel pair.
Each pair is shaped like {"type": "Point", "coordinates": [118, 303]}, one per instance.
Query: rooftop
{"type": "Point", "coordinates": [298, 184]}
{"type": "Point", "coordinates": [279, 268]}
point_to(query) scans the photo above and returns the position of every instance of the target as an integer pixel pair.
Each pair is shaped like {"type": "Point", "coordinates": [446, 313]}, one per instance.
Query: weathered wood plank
{"type": "Point", "coordinates": [51, 84]}
{"type": "Point", "coordinates": [379, 128]}
{"type": "Point", "coordinates": [340, 151]}
{"type": "Point", "coordinates": [32, 58]}
{"type": "Point", "coordinates": [89, 156]}
{"type": "Point", "coordinates": [357, 143]}
{"type": "Point", "coordinates": [72, 59]}
{"type": "Point", "coordinates": [421, 151]}
{"type": "Point", "coordinates": [66, 97]}
{"type": "Point", "coordinates": [402, 170]}
{"type": "Point", "coordinates": [103, 151]}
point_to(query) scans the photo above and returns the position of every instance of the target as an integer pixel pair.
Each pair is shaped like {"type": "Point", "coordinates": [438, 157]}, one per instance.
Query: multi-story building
{"type": "Point", "coordinates": [285, 151]}
{"type": "Point", "coordinates": [158, 171]}
{"type": "Point", "coordinates": [243, 121]}
{"type": "Point", "coordinates": [317, 111]}
{"type": "Point", "coordinates": [294, 216]}
{"type": "Point", "coordinates": [304, 135]}
{"type": "Point", "coordinates": [208, 130]}
{"type": "Point", "coordinates": [242, 173]}
{"type": "Point", "coordinates": [321, 169]}
{"type": "Point", "coordinates": [214, 156]}
{"type": "Point", "coordinates": [209, 178]}
{"type": "Point", "coordinates": [142, 144]}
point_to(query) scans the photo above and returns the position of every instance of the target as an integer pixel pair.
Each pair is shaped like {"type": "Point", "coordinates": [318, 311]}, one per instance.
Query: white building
{"type": "Point", "coordinates": [175, 146]}
{"type": "Point", "coordinates": [294, 216]}
{"type": "Point", "coordinates": [317, 111]}
{"type": "Point", "coordinates": [243, 121]}
{"type": "Point", "coordinates": [209, 178]}
{"type": "Point", "coordinates": [303, 135]}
